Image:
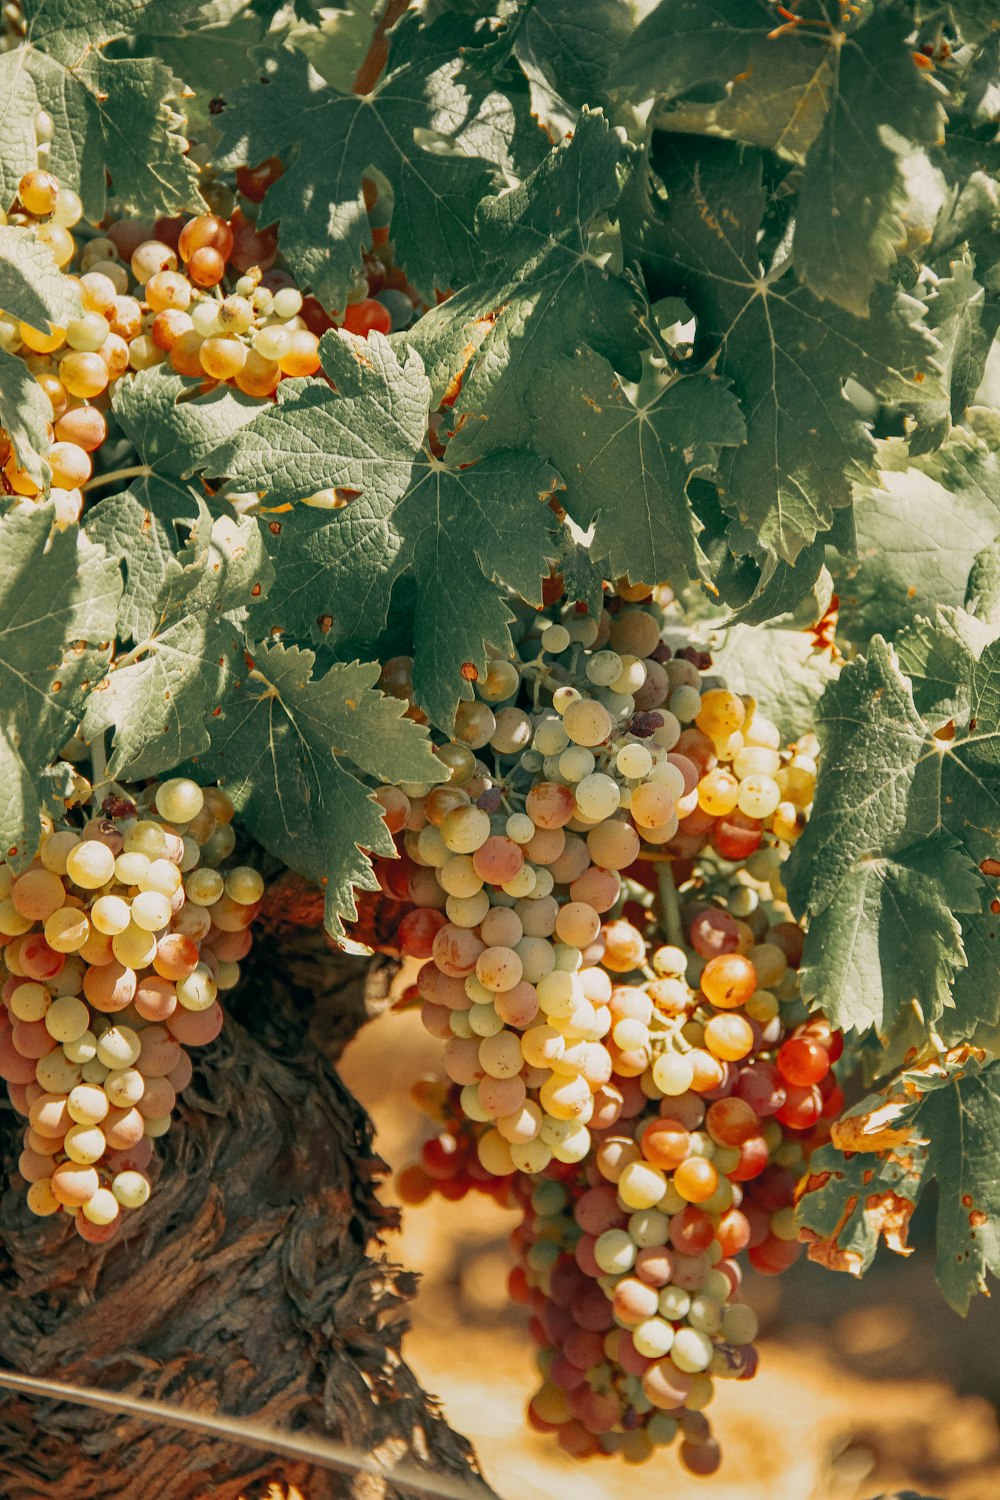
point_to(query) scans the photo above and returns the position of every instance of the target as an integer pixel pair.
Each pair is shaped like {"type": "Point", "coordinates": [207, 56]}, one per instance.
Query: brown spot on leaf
{"type": "Point", "coordinates": [470, 671]}
{"type": "Point", "coordinates": [990, 866]}
{"type": "Point", "coordinates": [325, 623]}
{"type": "Point", "coordinates": [255, 591]}
{"type": "Point", "coordinates": [977, 1218]}
{"type": "Point", "coordinates": [891, 1215]}
{"type": "Point", "coordinates": [873, 1131]}
{"type": "Point", "coordinates": [482, 327]}
{"type": "Point", "coordinates": [274, 527]}
{"type": "Point", "coordinates": [814, 1183]}
{"type": "Point", "coordinates": [825, 1249]}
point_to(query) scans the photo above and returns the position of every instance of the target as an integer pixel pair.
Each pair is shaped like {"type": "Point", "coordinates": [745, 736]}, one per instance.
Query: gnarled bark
{"type": "Point", "coordinates": [244, 1286]}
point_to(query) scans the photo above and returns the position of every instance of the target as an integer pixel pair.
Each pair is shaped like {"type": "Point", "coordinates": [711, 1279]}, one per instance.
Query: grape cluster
{"type": "Point", "coordinates": [628, 1259]}
{"type": "Point", "coordinates": [205, 295]}
{"type": "Point", "coordinates": [595, 894]}
{"type": "Point", "coordinates": [115, 943]}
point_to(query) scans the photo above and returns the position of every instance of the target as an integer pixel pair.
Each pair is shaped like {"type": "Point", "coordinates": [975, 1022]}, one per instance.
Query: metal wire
{"type": "Point", "coordinates": [326, 1452]}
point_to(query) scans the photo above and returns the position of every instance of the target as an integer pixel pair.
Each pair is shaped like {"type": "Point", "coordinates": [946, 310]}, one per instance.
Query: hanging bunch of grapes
{"type": "Point", "coordinates": [115, 943]}
{"type": "Point", "coordinates": [595, 901]}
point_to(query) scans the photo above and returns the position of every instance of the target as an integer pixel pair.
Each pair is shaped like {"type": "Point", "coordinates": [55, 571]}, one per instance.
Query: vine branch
{"type": "Point", "coordinates": [378, 51]}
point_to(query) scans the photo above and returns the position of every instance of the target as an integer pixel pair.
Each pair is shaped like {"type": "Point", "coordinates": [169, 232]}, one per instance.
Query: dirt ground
{"type": "Point", "coordinates": [864, 1388]}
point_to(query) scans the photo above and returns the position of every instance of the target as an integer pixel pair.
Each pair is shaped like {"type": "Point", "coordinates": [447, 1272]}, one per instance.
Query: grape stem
{"type": "Point", "coordinates": [670, 911]}
{"type": "Point", "coordinates": [136, 471]}
{"type": "Point", "coordinates": [98, 762]}
{"type": "Point", "coordinates": [101, 782]}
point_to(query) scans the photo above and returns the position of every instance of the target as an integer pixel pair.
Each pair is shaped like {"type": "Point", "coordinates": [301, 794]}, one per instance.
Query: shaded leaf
{"type": "Point", "coordinates": [786, 354]}
{"type": "Point", "coordinates": [488, 349]}
{"type": "Point", "coordinates": [363, 435]}
{"type": "Point", "coordinates": [888, 789]}
{"type": "Point", "coordinates": [331, 139]}
{"type": "Point", "coordinates": [627, 467]}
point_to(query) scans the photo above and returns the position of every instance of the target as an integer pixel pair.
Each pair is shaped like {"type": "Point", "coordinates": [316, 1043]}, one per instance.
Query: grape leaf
{"type": "Point", "coordinates": [160, 696]}
{"type": "Point", "coordinates": [964, 323]}
{"type": "Point", "coordinates": [868, 726]}
{"type": "Point", "coordinates": [686, 46]}
{"type": "Point", "coordinates": [68, 27]}
{"type": "Point", "coordinates": [583, 579]}
{"type": "Point", "coordinates": [820, 93]}
{"type": "Point", "coordinates": [890, 922]}
{"type": "Point", "coordinates": [786, 354]}
{"type": "Point", "coordinates": [58, 598]}
{"type": "Point", "coordinates": [331, 139]}
{"type": "Point", "coordinates": [288, 751]}
{"type": "Point", "coordinates": [173, 426]}
{"type": "Point", "coordinates": [939, 656]}
{"type": "Point", "coordinates": [145, 528]}
{"type": "Point", "coordinates": [363, 435]}
{"type": "Point", "coordinates": [628, 467]}
{"type": "Point", "coordinates": [984, 713]}
{"type": "Point", "coordinates": [488, 348]}
{"type": "Point", "coordinates": [207, 48]}
{"type": "Point", "coordinates": [337, 48]}
{"type": "Point", "coordinates": [32, 287]}
{"type": "Point", "coordinates": [780, 586]}
{"type": "Point", "coordinates": [939, 1122]}
{"type": "Point", "coordinates": [461, 531]}
{"type": "Point", "coordinates": [566, 49]}
{"type": "Point", "coordinates": [887, 787]}
{"type": "Point", "coordinates": [25, 414]}
{"type": "Point", "coordinates": [778, 666]}
{"type": "Point", "coordinates": [919, 531]}
{"type": "Point", "coordinates": [847, 224]}
{"type": "Point", "coordinates": [982, 594]}
{"type": "Point", "coordinates": [111, 114]}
